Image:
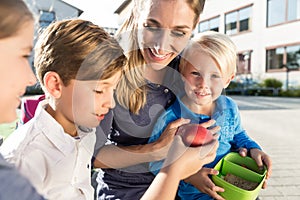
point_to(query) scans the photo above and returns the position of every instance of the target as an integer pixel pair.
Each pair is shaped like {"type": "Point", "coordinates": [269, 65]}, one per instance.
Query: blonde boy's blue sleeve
{"type": "Point", "coordinates": [241, 138]}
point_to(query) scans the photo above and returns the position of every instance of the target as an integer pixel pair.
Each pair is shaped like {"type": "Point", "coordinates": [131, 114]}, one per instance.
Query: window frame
{"type": "Point", "coordinates": [238, 20]}
{"type": "Point", "coordinates": [286, 14]}
{"type": "Point", "coordinates": [218, 17]}
{"type": "Point", "coordinates": [284, 57]}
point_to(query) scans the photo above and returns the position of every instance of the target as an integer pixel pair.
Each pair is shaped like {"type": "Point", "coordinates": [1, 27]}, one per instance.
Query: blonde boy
{"type": "Point", "coordinates": [78, 65]}
{"type": "Point", "coordinates": [207, 66]}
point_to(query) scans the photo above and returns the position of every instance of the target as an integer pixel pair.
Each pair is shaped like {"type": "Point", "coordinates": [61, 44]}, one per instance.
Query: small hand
{"type": "Point", "coordinates": [204, 184]}
{"type": "Point", "coordinates": [261, 159]}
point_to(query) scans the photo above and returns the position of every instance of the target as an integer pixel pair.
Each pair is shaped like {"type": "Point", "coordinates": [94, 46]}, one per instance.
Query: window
{"type": "Point", "coordinates": [238, 21]}
{"type": "Point", "coordinates": [293, 57]}
{"type": "Point", "coordinates": [244, 63]}
{"type": "Point", "coordinates": [275, 58]}
{"type": "Point", "coordinates": [209, 25]}
{"type": "Point", "coordinates": [46, 18]}
{"type": "Point", "coordinates": [281, 11]}
{"type": "Point", "coordinates": [283, 56]}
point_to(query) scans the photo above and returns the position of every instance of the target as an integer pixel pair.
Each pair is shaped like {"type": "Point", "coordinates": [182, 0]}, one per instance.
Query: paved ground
{"type": "Point", "coordinates": [275, 124]}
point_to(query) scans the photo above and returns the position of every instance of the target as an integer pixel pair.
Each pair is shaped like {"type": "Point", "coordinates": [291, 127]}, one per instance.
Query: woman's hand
{"type": "Point", "coordinates": [203, 183]}
{"type": "Point", "coordinates": [261, 159]}
{"type": "Point", "coordinates": [162, 145]}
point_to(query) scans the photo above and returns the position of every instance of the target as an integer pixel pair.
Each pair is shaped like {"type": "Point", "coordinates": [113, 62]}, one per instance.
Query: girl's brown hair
{"type": "Point", "coordinates": [13, 14]}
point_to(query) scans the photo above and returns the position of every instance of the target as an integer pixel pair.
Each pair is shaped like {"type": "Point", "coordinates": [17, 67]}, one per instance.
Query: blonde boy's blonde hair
{"type": "Point", "coordinates": [132, 90]}
{"type": "Point", "coordinates": [77, 49]}
{"type": "Point", "coordinates": [218, 46]}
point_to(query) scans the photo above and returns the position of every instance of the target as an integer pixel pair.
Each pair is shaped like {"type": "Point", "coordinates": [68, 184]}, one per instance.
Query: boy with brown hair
{"type": "Point", "coordinates": [78, 65]}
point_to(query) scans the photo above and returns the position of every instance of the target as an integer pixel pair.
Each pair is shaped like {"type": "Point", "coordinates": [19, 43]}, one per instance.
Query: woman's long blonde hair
{"type": "Point", "coordinates": [131, 91]}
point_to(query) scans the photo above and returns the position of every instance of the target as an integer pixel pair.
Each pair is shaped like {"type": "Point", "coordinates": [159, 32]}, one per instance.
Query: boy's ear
{"type": "Point", "coordinates": [229, 80]}
{"type": "Point", "coordinates": [53, 84]}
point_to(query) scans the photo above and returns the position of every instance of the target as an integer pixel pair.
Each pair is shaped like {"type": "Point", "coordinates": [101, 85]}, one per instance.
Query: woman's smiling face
{"type": "Point", "coordinates": [163, 35]}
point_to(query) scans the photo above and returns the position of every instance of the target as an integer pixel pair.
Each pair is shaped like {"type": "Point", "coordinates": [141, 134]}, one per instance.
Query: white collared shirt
{"type": "Point", "coordinates": [57, 164]}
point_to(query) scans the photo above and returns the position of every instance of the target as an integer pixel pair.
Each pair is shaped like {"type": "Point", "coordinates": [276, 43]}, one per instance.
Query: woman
{"type": "Point", "coordinates": [157, 32]}
{"type": "Point", "coordinates": [16, 38]}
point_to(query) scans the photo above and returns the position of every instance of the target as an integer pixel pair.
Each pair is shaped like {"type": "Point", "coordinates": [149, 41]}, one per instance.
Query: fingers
{"type": "Point", "coordinates": [209, 171]}
{"type": "Point", "coordinates": [268, 162]}
{"type": "Point", "coordinates": [208, 123]}
{"type": "Point", "coordinates": [212, 190]}
{"type": "Point", "coordinates": [175, 124]}
{"type": "Point", "coordinates": [243, 152]}
{"type": "Point", "coordinates": [214, 193]}
{"type": "Point", "coordinates": [264, 186]}
{"type": "Point", "coordinates": [209, 149]}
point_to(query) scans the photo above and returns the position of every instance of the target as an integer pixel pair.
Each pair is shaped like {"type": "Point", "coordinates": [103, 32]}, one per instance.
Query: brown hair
{"type": "Point", "coordinates": [77, 49]}
{"type": "Point", "coordinates": [131, 92]}
{"type": "Point", "coordinates": [13, 14]}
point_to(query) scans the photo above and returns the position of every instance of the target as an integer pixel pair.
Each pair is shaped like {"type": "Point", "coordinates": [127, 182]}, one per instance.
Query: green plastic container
{"type": "Point", "coordinates": [243, 167]}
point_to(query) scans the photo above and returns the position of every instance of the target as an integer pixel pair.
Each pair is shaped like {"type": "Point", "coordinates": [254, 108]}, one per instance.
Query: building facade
{"type": "Point", "coordinates": [266, 33]}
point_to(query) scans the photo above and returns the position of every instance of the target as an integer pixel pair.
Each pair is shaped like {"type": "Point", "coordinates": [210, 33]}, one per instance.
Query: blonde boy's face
{"type": "Point", "coordinates": [203, 80]}
{"type": "Point", "coordinates": [85, 103]}
{"type": "Point", "coordinates": [15, 70]}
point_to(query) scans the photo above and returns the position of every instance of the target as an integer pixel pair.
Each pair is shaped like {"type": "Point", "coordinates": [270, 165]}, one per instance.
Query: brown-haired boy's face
{"type": "Point", "coordinates": [85, 103]}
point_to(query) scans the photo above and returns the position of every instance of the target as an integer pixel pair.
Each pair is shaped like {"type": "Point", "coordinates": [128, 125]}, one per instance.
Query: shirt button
{"type": "Point", "coordinates": [166, 91]}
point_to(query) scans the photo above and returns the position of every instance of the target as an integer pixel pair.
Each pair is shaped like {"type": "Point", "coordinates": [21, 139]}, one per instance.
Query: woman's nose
{"type": "Point", "coordinates": [163, 41]}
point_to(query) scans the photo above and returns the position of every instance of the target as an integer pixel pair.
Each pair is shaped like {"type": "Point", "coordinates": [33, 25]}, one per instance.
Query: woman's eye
{"type": "Point", "coordinates": [195, 73]}
{"type": "Point", "coordinates": [177, 33]}
{"type": "Point", "coordinates": [151, 28]}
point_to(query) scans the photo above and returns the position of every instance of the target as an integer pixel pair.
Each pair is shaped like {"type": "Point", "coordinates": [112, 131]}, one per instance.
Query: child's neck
{"type": "Point", "coordinates": [67, 125]}
{"type": "Point", "coordinates": [206, 109]}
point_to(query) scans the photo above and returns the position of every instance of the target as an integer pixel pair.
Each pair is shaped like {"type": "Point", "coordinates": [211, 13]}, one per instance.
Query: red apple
{"type": "Point", "coordinates": [194, 135]}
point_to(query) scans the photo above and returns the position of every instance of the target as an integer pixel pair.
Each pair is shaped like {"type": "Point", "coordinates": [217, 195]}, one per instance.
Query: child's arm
{"type": "Point", "coordinates": [180, 163]}
{"type": "Point", "coordinates": [137, 153]}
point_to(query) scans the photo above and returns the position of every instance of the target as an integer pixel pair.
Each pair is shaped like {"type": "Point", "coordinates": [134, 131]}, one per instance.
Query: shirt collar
{"type": "Point", "coordinates": [54, 131]}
